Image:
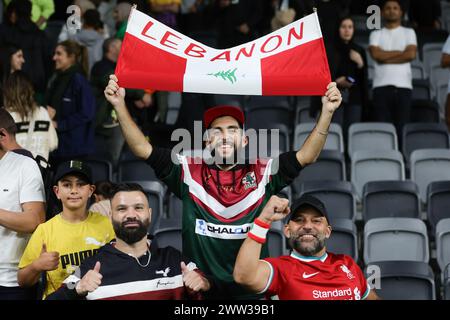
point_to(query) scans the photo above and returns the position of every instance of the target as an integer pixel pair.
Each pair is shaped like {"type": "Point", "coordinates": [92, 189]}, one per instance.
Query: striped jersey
{"type": "Point", "coordinates": [219, 208]}
{"type": "Point", "coordinates": [153, 276]}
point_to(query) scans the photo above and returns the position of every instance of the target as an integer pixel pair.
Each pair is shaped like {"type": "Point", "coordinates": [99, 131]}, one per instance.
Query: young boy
{"type": "Point", "coordinates": [59, 245]}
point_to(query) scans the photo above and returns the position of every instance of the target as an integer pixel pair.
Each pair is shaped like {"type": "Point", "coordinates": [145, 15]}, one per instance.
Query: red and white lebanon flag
{"type": "Point", "coordinates": [289, 61]}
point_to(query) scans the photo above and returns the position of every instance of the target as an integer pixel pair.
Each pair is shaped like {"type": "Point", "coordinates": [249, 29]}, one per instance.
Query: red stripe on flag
{"type": "Point", "coordinates": [280, 72]}
{"type": "Point", "coordinates": [143, 66]}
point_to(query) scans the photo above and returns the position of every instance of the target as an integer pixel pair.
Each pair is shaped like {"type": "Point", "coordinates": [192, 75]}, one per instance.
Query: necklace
{"type": "Point", "coordinates": [148, 261]}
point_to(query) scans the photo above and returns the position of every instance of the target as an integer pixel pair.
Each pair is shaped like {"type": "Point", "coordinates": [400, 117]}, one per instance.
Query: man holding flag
{"type": "Point", "coordinates": [221, 200]}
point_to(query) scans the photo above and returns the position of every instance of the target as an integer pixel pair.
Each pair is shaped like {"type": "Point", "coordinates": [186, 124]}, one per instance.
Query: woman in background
{"type": "Point", "coordinates": [11, 59]}
{"type": "Point", "coordinates": [350, 73]}
{"type": "Point", "coordinates": [35, 131]}
{"type": "Point", "coordinates": [71, 103]}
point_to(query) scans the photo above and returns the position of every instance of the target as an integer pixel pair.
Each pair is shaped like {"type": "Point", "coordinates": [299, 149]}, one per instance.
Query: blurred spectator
{"type": "Point", "coordinates": [236, 21]}
{"type": "Point", "coordinates": [166, 11]}
{"type": "Point", "coordinates": [20, 31]}
{"type": "Point", "coordinates": [91, 36]}
{"type": "Point", "coordinates": [40, 12]}
{"type": "Point", "coordinates": [108, 136]}
{"type": "Point", "coordinates": [349, 71]}
{"type": "Point", "coordinates": [392, 48]}
{"type": "Point", "coordinates": [70, 103]}
{"type": "Point", "coordinates": [11, 59]}
{"type": "Point", "coordinates": [424, 15]}
{"type": "Point", "coordinates": [102, 195]}
{"type": "Point", "coordinates": [21, 210]}
{"type": "Point", "coordinates": [106, 9]}
{"type": "Point", "coordinates": [35, 131]}
{"type": "Point", "coordinates": [191, 18]}
{"type": "Point", "coordinates": [84, 5]}
{"type": "Point", "coordinates": [445, 63]}
{"type": "Point", "coordinates": [121, 14]}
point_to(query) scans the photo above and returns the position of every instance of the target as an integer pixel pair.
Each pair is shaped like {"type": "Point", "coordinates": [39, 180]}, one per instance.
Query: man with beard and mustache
{"type": "Point", "coordinates": [132, 266]}
{"type": "Point", "coordinates": [310, 272]}
{"type": "Point", "coordinates": [222, 198]}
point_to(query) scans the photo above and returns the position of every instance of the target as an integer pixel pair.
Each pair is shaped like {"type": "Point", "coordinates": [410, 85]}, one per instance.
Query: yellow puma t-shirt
{"type": "Point", "coordinates": [73, 241]}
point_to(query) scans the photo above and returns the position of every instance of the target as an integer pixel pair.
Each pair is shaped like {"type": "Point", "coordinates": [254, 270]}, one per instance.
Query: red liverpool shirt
{"type": "Point", "coordinates": [330, 277]}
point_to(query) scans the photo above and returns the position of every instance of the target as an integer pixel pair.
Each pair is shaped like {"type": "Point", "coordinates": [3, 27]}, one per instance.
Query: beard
{"type": "Point", "coordinates": [236, 155]}
{"type": "Point", "coordinates": [309, 248]}
{"type": "Point", "coordinates": [131, 235]}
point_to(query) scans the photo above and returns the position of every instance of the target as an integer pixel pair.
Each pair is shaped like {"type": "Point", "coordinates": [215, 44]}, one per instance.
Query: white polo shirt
{"type": "Point", "coordinates": [399, 74]}
{"type": "Point", "coordinates": [446, 50]}
{"type": "Point", "coordinates": [20, 182]}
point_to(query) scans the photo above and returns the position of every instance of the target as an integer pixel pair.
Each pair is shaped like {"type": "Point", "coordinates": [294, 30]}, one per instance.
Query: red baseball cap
{"type": "Point", "coordinates": [220, 111]}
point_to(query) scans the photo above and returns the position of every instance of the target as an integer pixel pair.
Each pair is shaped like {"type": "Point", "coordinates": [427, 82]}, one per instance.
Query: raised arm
{"type": "Point", "coordinates": [133, 135]}
{"type": "Point", "coordinates": [313, 145]}
{"type": "Point", "coordinates": [249, 270]}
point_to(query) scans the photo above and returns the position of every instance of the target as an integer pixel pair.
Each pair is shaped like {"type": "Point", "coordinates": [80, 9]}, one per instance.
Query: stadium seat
{"type": "Point", "coordinates": [446, 277]}
{"type": "Point", "coordinates": [169, 237]}
{"type": "Point", "coordinates": [286, 193]}
{"type": "Point", "coordinates": [424, 136]}
{"type": "Point", "coordinates": [421, 89]}
{"type": "Point", "coordinates": [404, 280]}
{"type": "Point", "coordinates": [302, 110]}
{"type": "Point", "coordinates": [431, 53]}
{"type": "Point", "coordinates": [429, 165]}
{"type": "Point", "coordinates": [337, 197]}
{"type": "Point", "coordinates": [135, 170]}
{"type": "Point", "coordinates": [343, 239]}
{"type": "Point", "coordinates": [155, 193]}
{"type": "Point", "coordinates": [387, 239]}
{"type": "Point", "coordinates": [417, 69]}
{"type": "Point", "coordinates": [276, 242]}
{"type": "Point", "coordinates": [101, 169]}
{"type": "Point", "coordinates": [335, 140]}
{"type": "Point", "coordinates": [375, 165]}
{"type": "Point", "coordinates": [443, 243]}
{"type": "Point", "coordinates": [371, 136]}
{"type": "Point", "coordinates": [390, 199]}
{"type": "Point", "coordinates": [438, 195]}
{"type": "Point", "coordinates": [441, 97]}
{"type": "Point", "coordinates": [174, 215]}
{"type": "Point", "coordinates": [424, 111]}
{"type": "Point", "coordinates": [329, 166]}
{"type": "Point", "coordinates": [438, 76]}
{"type": "Point", "coordinates": [263, 116]}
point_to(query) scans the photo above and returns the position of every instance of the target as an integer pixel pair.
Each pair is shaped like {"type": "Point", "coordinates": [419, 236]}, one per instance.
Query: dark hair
{"type": "Point", "coordinates": [104, 188]}
{"type": "Point", "coordinates": [5, 60]}
{"type": "Point", "coordinates": [107, 44]}
{"type": "Point", "coordinates": [18, 95]}
{"type": "Point", "coordinates": [92, 19]}
{"type": "Point", "coordinates": [126, 187]}
{"type": "Point", "coordinates": [7, 121]}
{"type": "Point", "coordinates": [80, 52]}
{"type": "Point", "coordinates": [22, 9]}
{"type": "Point", "coordinates": [383, 4]}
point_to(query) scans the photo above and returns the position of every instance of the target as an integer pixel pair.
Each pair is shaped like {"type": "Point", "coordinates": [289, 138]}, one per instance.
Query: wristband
{"type": "Point", "coordinates": [259, 231]}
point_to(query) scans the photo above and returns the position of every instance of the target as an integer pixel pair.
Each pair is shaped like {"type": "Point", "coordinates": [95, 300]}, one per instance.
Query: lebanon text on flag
{"type": "Point", "coordinates": [289, 61]}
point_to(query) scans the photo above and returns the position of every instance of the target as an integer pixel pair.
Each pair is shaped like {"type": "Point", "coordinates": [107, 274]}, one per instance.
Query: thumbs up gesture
{"type": "Point", "coordinates": [90, 282]}
{"type": "Point", "coordinates": [47, 261]}
{"type": "Point", "coordinates": [194, 280]}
